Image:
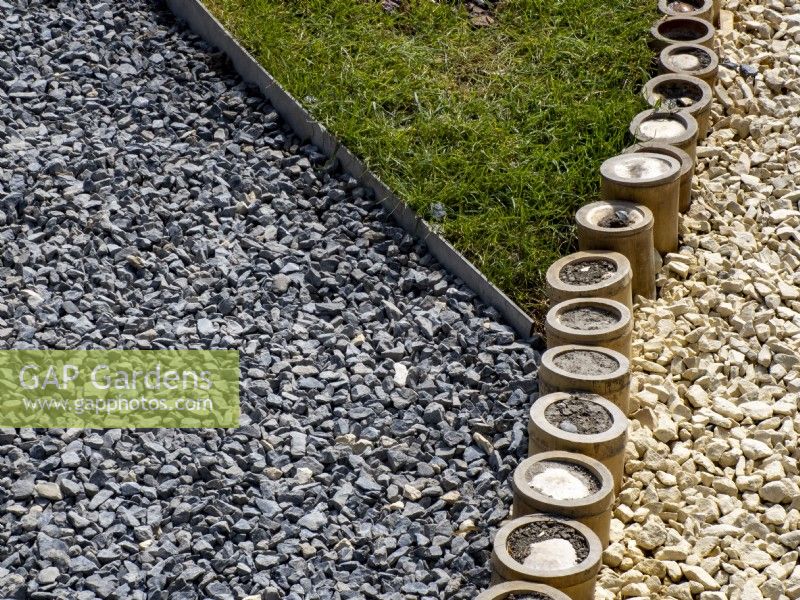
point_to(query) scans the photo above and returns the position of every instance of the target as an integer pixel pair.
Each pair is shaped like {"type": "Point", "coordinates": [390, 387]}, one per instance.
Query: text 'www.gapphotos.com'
{"type": "Point", "coordinates": [141, 404]}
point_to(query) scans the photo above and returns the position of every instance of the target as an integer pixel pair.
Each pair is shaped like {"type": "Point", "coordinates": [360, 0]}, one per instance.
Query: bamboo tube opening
{"type": "Point", "coordinates": [679, 30]}
{"type": "Point", "coordinates": [590, 322]}
{"type": "Point", "coordinates": [682, 92]}
{"type": "Point", "coordinates": [690, 59]}
{"type": "Point", "coordinates": [700, 9]}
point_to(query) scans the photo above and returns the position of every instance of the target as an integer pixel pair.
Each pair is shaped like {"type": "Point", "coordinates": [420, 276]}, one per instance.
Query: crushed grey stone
{"type": "Point", "coordinates": [149, 199]}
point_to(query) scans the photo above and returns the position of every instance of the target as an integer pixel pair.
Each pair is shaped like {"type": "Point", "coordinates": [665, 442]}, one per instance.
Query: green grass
{"type": "Point", "coordinates": [505, 126]}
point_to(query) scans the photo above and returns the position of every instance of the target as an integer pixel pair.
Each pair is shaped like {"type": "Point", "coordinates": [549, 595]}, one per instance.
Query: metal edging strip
{"type": "Point", "coordinates": [205, 25]}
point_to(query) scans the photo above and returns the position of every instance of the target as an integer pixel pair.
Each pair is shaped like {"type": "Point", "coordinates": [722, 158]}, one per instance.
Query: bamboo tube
{"type": "Point", "coordinates": [687, 168]}
{"type": "Point", "coordinates": [699, 9]}
{"type": "Point", "coordinates": [690, 59]}
{"type": "Point", "coordinates": [520, 589]}
{"type": "Point", "coordinates": [682, 92]}
{"type": "Point", "coordinates": [581, 423]}
{"type": "Point", "coordinates": [560, 483]}
{"type": "Point", "coordinates": [594, 274]}
{"type": "Point", "coordinates": [680, 30]}
{"type": "Point", "coordinates": [590, 322]}
{"type": "Point", "coordinates": [577, 582]}
{"type": "Point", "coordinates": [626, 228]}
{"type": "Point", "coordinates": [591, 369]}
{"type": "Point", "coordinates": [649, 179]}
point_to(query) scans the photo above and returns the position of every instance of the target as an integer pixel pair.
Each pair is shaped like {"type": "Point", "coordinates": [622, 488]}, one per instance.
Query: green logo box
{"type": "Point", "coordinates": [108, 389]}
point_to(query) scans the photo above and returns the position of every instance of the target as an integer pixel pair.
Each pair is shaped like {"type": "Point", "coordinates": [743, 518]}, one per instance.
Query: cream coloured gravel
{"type": "Point", "coordinates": [711, 506]}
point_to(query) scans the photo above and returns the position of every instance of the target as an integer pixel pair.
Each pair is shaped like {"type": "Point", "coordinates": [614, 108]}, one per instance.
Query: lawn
{"type": "Point", "coordinates": [494, 133]}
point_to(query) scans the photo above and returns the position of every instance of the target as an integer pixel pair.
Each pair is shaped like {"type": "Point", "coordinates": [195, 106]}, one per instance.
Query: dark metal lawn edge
{"type": "Point", "coordinates": [205, 25]}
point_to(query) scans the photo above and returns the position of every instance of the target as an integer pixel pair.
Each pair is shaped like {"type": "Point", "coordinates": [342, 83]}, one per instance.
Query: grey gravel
{"type": "Point", "coordinates": [48, 575]}
{"type": "Point", "coordinates": [149, 199]}
{"type": "Point", "coordinates": [48, 490]}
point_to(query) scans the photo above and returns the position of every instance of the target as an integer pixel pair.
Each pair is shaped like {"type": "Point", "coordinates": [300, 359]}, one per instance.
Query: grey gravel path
{"type": "Point", "coordinates": [148, 199]}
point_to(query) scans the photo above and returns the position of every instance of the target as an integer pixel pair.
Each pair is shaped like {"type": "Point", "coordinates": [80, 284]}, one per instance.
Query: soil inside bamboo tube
{"type": "Point", "coordinates": [660, 128]}
{"type": "Point", "coordinates": [616, 219]}
{"type": "Point", "coordinates": [528, 596]}
{"type": "Point", "coordinates": [587, 272]}
{"type": "Point", "coordinates": [588, 318]}
{"type": "Point", "coordinates": [676, 95]}
{"type": "Point", "coordinates": [585, 362]}
{"type": "Point", "coordinates": [578, 415]}
{"type": "Point", "coordinates": [682, 34]}
{"type": "Point", "coordinates": [562, 480]}
{"type": "Point", "coordinates": [690, 59]}
{"type": "Point", "coordinates": [547, 545]}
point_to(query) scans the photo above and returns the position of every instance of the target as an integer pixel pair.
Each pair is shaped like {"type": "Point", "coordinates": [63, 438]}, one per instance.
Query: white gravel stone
{"type": "Point", "coordinates": [701, 576]}
{"type": "Point", "coordinates": [755, 449]}
{"type": "Point", "coordinates": [552, 554]}
{"type": "Point", "coordinates": [400, 374]}
{"type": "Point", "coordinates": [775, 492]}
{"type": "Point", "coordinates": [757, 410]}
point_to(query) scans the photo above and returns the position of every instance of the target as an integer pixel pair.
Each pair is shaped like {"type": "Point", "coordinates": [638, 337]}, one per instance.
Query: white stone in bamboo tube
{"type": "Point", "coordinates": [677, 128]}
{"type": "Point", "coordinates": [690, 59]}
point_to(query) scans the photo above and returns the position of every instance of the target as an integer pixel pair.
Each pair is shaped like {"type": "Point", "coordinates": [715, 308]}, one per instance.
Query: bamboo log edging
{"type": "Point", "coordinates": [659, 192]}
{"type": "Point", "coordinates": [615, 287]}
{"type": "Point", "coordinates": [707, 68]}
{"type": "Point", "coordinates": [614, 336]}
{"type": "Point", "coordinates": [658, 89]}
{"type": "Point", "coordinates": [607, 446]}
{"type": "Point", "coordinates": [611, 383]}
{"type": "Point", "coordinates": [577, 582]}
{"type": "Point", "coordinates": [660, 182]}
{"type": "Point", "coordinates": [680, 30]}
{"type": "Point", "coordinates": [634, 240]}
{"type": "Point", "coordinates": [593, 510]}
{"type": "Point", "coordinates": [687, 168]}
{"type": "Point", "coordinates": [501, 591]}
